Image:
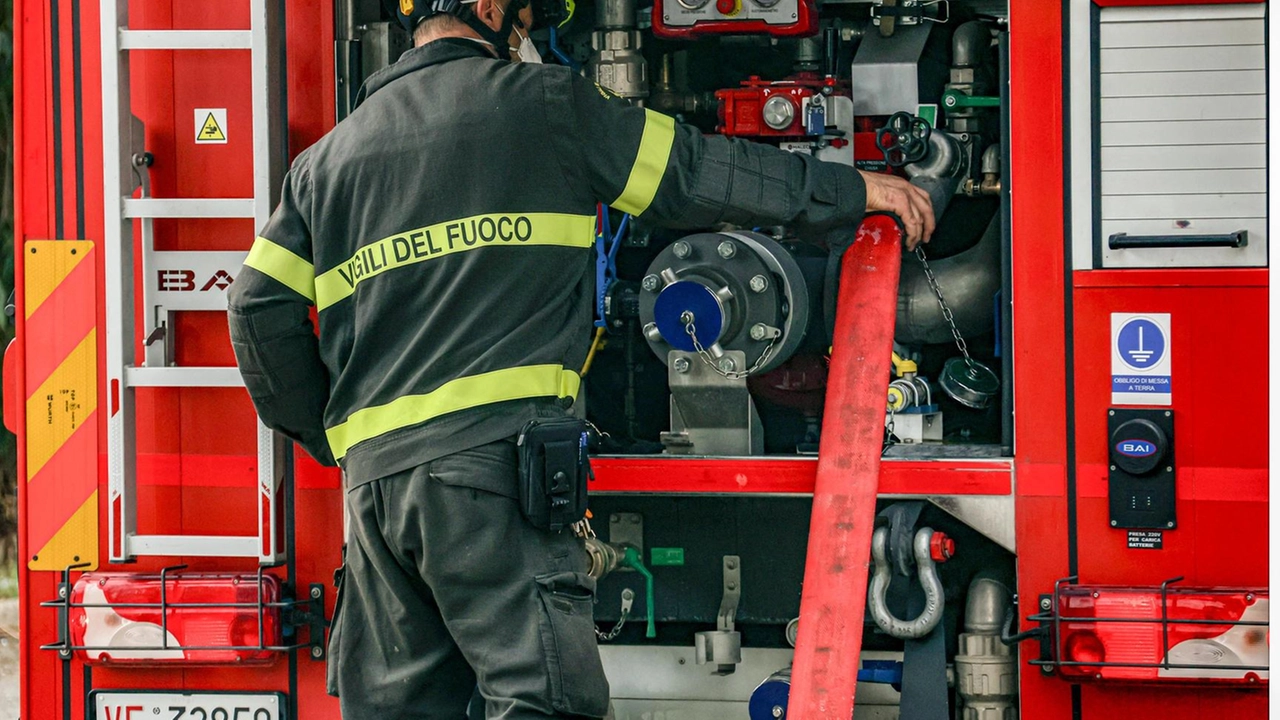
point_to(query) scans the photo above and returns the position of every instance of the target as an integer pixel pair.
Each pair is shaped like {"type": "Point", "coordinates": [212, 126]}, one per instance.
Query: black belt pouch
{"type": "Point", "coordinates": [553, 472]}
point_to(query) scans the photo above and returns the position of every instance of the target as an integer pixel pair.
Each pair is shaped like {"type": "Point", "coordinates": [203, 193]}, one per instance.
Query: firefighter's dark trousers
{"type": "Point", "coordinates": [446, 586]}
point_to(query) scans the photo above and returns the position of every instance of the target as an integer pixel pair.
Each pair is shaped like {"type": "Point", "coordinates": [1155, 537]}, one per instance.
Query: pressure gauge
{"type": "Point", "coordinates": [778, 112]}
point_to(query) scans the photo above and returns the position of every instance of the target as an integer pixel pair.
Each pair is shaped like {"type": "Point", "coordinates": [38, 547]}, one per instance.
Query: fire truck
{"type": "Point", "coordinates": [959, 483]}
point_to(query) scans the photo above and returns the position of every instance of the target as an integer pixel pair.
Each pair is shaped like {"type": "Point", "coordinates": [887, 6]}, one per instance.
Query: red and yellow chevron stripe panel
{"type": "Point", "coordinates": [61, 341]}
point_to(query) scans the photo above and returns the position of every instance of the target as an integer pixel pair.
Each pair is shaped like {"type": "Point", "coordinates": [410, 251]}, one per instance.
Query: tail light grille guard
{"type": "Point", "coordinates": [1054, 619]}
{"type": "Point", "coordinates": [293, 614]}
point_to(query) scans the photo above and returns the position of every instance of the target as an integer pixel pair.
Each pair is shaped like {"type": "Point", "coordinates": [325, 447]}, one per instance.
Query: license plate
{"type": "Point", "coordinates": [110, 705]}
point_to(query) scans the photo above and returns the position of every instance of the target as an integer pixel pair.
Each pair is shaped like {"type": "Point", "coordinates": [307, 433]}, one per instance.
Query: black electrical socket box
{"type": "Point", "coordinates": [1141, 469]}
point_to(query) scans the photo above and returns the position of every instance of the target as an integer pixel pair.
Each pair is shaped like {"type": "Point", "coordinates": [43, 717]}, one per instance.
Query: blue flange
{"type": "Point", "coordinates": [774, 692]}
{"type": "Point", "coordinates": [688, 296]}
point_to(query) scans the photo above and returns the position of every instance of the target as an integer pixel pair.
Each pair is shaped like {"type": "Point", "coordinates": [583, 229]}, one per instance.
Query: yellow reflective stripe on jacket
{"type": "Point", "coordinates": [651, 163]}
{"type": "Point", "coordinates": [282, 265]}
{"type": "Point", "coordinates": [446, 238]}
{"type": "Point", "coordinates": [517, 383]}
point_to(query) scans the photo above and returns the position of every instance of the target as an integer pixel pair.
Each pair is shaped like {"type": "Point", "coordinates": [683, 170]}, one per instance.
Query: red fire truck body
{"type": "Point", "coordinates": [1076, 301]}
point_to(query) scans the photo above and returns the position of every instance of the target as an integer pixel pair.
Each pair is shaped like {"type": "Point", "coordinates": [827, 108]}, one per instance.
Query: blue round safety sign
{"type": "Point", "coordinates": [1141, 343]}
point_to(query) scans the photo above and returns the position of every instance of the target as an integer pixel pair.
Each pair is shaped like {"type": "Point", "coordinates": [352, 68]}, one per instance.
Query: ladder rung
{"type": "Point", "coordinates": [194, 545]}
{"type": "Point", "coordinates": [185, 40]}
{"type": "Point", "coordinates": [188, 208]}
{"type": "Point", "coordinates": [182, 377]}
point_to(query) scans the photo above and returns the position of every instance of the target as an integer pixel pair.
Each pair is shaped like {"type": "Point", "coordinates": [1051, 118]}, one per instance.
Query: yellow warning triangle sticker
{"type": "Point", "coordinates": [210, 131]}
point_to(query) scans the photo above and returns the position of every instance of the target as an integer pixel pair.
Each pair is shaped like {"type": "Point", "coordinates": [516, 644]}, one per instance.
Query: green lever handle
{"type": "Point", "coordinates": [632, 560]}
{"type": "Point", "coordinates": [954, 99]}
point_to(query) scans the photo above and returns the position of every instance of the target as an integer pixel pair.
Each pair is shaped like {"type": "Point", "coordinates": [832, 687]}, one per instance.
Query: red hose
{"type": "Point", "coordinates": [825, 670]}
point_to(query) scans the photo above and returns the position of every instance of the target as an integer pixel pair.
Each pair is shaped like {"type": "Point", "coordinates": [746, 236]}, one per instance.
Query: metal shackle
{"type": "Point", "coordinates": [928, 619]}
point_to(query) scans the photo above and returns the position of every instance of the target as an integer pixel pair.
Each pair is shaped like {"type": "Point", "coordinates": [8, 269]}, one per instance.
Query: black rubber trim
{"type": "Point", "coordinates": [77, 71]}
{"type": "Point", "coordinates": [1073, 545]}
{"type": "Point", "coordinates": [55, 70]}
{"type": "Point", "coordinates": [291, 566]}
{"type": "Point", "coordinates": [1073, 539]}
{"type": "Point", "coordinates": [66, 681]}
{"type": "Point", "coordinates": [290, 503]}
{"type": "Point", "coordinates": [1095, 130]}
{"type": "Point", "coordinates": [1068, 293]}
{"type": "Point", "coordinates": [88, 688]}
{"type": "Point", "coordinates": [1006, 257]}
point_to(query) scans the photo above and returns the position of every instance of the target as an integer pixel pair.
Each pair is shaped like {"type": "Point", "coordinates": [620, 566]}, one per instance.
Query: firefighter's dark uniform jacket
{"type": "Point", "coordinates": [444, 233]}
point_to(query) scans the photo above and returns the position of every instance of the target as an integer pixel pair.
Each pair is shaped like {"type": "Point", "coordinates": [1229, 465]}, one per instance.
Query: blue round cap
{"type": "Point", "coordinates": [688, 296]}
{"type": "Point", "coordinates": [771, 694]}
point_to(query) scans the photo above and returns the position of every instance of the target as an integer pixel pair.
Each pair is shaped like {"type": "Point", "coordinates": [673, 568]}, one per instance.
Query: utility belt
{"type": "Point", "coordinates": [554, 469]}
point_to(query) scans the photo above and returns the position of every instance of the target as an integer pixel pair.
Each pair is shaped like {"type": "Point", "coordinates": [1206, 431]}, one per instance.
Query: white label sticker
{"type": "Point", "coordinates": [1141, 366]}
{"type": "Point", "coordinates": [211, 126]}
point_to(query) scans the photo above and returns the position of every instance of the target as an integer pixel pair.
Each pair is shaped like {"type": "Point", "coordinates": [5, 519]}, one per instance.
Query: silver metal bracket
{"type": "Point", "coordinates": [722, 647]}
{"type": "Point", "coordinates": [627, 529]}
{"type": "Point", "coordinates": [710, 414]}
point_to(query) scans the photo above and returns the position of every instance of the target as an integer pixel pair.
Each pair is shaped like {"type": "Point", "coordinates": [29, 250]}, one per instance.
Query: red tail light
{"type": "Point", "coordinates": [1158, 635]}
{"type": "Point", "coordinates": [124, 618]}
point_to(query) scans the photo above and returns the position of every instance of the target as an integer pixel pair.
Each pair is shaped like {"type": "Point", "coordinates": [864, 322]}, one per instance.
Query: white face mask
{"type": "Point", "coordinates": [526, 52]}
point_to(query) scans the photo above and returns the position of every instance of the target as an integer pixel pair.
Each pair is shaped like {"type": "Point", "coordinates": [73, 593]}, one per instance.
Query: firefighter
{"type": "Point", "coordinates": [443, 232]}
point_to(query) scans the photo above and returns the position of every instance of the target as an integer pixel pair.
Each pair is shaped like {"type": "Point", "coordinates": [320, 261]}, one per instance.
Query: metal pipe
{"type": "Point", "coordinates": [986, 673]}
{"type": "Point", "coordinates": [969, 280]}
{"type": "Point", "coordinates": [665, 98]}
{"type": "Point", "coordinates": [615, 14]}
{"type": "Point", "coordinates": [969, 43]}
{"type": "Point", "coordinates": [809, 53]}
{"type": "Point", "coordinates": [989, 185]}
{"type": "Point", "coordinates": [941, 171]}
{"type": "Point", "coordinates": [616, 62]}
{"type": "Point", "coordinates": [985, 608]}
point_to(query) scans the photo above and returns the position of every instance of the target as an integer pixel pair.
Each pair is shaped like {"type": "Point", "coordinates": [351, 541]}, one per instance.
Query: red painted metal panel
{"type": "Point", "coordinates": [834, 596]}
{"type": "Point", "coordinates": [1219, 355]}
{"type": "Point", "coordinates": [785, 476]}
{"type": "Point", "coordinates": [33, 207]}
{"type": "Point", "coordinates": [1165, 703]}
{"type": "Point", "coordinates": [1039, 333]}
{"type": "Point", "coordinates": [1172, 277]}
{"type": "Point", "coordinates": [1219, 352]}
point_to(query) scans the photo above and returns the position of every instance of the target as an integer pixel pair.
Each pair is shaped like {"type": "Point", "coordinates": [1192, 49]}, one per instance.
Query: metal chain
{"type": "Point", "coordinates": [888, 435]}
{"type": "Point", "coordinates": [628, 596]}
{"type": "Point", "coordinates": [731, 374]}
{"type": "Point", "coordinates": [942, 303]}
{"type": "Point", "coordinates": [617, 628]}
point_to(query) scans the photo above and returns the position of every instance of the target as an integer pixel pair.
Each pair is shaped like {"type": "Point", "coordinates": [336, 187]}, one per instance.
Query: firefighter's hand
{"type": "Point", "coordinates": [910, 203]}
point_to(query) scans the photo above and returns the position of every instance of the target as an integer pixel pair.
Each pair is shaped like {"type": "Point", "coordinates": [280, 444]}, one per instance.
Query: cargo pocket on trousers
{"type": "Point", "coordinates": [578, 684]}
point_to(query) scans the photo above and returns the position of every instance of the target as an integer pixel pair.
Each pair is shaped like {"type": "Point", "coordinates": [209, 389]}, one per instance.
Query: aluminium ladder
{"type": "Point", "coordinates": [125, 170]}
